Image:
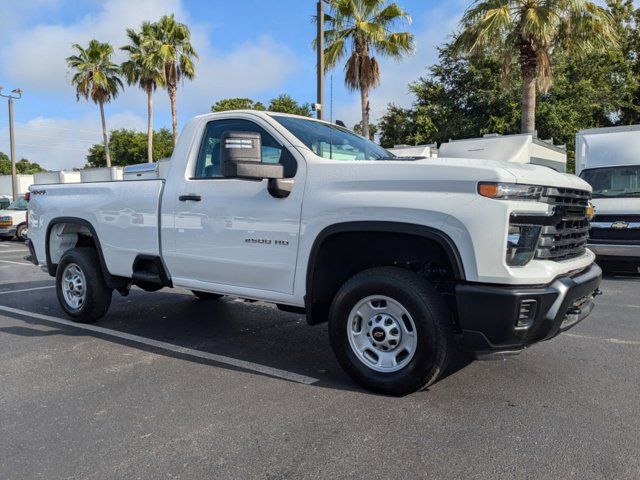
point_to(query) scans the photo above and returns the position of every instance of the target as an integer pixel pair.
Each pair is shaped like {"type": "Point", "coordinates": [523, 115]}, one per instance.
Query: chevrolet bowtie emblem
{"type": "Point", "coordinates": [620, 225]}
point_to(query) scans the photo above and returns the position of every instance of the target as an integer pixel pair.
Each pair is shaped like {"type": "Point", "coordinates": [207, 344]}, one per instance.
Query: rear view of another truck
{"type": "Point", "coordinates": [609, 160]}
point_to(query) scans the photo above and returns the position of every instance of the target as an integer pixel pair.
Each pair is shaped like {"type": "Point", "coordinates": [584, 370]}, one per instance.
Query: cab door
{"type": "Point", "coordinates": [230, 235]}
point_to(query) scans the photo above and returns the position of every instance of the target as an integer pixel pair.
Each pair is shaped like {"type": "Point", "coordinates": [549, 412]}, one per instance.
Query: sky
{"type": "Point", "coordinates": [247, 48]}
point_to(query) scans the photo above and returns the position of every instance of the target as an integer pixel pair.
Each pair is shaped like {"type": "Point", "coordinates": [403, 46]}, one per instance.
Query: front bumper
{"type": "Point", "coordinates": [6, 231]}
{"type": "Point", "coordinates": [616, 251]}
{"type": "Point", "coordinates": [489, 315]}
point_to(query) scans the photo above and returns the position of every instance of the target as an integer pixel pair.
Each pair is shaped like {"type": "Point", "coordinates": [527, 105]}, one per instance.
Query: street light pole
{"type": "Point", "coordinates": [320, 63]}
{"type": "Point", "coordinates": [12, 146]}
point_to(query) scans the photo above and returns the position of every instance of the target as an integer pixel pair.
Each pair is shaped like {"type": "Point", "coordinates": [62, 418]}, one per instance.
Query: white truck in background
{"type": "Point", "coordinates": [523, 148]}
{"type": "Point", "coordinates": [609, 160]}
{"type": "Point", "coordinates": [399, 255]}
{"type": "Point", "coordinates": [13, 220]}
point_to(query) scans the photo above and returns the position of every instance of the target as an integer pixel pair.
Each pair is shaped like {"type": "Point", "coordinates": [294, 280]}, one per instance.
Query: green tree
{"type": "Point", "coordinates": [170, 45]}
{"type": "Point", "coordinates": [361, 29]}
{"type": "Point", "coordinates": [129, 147]}
{"type": "Point", "coordinates": [96, 77]}
{"type": "Point", "coordinates": [23, 166]}
{"type": "Point", "coordinates": [373, 129]}
{"type": "Point", "coordinates": [287, 104]}
{"type": "Point", "coordinates": [236, 104]}
{"type": "Point", "coordinates": [460, 98]}
{"type": "Point", "coordinates": [529, 31]}
{"type": "Point", "coordinates": [144, 69]}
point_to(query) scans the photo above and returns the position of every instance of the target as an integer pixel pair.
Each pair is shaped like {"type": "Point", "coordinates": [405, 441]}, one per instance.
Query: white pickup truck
{"type": "Point", "coordinates": [400, 255]}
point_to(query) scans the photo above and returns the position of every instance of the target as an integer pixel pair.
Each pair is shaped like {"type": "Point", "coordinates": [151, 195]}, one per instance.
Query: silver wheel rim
{"type": "Point", "coordinates": [24, 233]}
{"type": "Point", "coordinates": [382, 333]}
{"type": "Point", "coordinates": [73, 286]}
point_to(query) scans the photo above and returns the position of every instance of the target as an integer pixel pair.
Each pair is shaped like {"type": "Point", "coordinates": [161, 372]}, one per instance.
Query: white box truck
{"type": "Point", "coordinates": [520, 148]}
{"type": "Point", "coordinates": [609, 160]}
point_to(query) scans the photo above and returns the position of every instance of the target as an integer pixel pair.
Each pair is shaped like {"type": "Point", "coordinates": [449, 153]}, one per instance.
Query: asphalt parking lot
{"type": "Point", "coordinates": [167, 386]}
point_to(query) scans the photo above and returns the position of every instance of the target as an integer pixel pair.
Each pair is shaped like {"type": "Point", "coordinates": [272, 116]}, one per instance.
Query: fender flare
{"type": "Point", "coordinates": [391, 227]}
{"type": "Point", "coordinates": [433, 234]}
{"type": "Point", "coordinates": [52, 267]}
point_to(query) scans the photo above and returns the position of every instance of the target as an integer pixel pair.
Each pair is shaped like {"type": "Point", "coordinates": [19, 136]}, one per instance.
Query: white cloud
{"type": "Point", "coordinates": [36, 56]}
{"type": "Point", "coordinates": [58, 144]}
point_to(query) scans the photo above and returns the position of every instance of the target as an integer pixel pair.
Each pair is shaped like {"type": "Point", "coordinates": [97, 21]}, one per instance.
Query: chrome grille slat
{"type": "Point", "coordinates": [568, 238]}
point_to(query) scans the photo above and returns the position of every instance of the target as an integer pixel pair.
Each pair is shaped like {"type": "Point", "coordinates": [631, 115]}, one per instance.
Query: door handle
{"type": "Point", "coordinates": [192, 197]}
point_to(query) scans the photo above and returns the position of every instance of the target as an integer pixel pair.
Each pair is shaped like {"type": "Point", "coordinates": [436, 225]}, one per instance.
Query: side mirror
{"type": "Point", "coordinates": [241, 157]}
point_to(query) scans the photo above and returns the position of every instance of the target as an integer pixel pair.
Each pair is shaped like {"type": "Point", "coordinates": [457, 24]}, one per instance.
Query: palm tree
{"type": "Point", "coordinates": [96, 77]}
{"type": "Point", "coordinates": [361, 29]}
{"type": "Point", "coordinates": [171, 46]}
{"type": "Point", "coordinates": [529, 31]}
{"type": "Point", "coordinates": [141, 69]}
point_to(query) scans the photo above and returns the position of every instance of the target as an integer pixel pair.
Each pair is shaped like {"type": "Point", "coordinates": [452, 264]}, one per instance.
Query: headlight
{"type": "Point", "coordinates": [522, 241]}
{"type": "Point", "coordinates": [509, 191]}
{"type": "Point", "coordinates": [6, 221]}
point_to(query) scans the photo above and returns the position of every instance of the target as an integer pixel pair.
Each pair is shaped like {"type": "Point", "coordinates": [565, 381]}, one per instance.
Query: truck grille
{"type": "Point", "coordinates": [628, 231]}
{"type": "Point", "coordinates": [568, 237]}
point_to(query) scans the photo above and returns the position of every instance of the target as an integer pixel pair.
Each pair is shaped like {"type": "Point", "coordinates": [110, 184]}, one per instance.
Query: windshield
{"type": "Point", "coordinates": [613, 181]}
{"type": "Point", "coordinates": [19, 204]}
{"type": "Point", "coordinates": [331, 141]}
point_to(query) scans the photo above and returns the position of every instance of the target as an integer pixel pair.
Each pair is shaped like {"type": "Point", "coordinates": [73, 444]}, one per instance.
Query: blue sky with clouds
{"type": "Point", "coordinates": [254, 48]}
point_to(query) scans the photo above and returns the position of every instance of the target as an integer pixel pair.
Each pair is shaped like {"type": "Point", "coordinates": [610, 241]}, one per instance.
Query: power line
{"type": "Point", "coordinates": [58, 138]}
{"type": "Point", "coordinates": [59, 147]}
{"type": "Point", "coordinates": [57, 128]}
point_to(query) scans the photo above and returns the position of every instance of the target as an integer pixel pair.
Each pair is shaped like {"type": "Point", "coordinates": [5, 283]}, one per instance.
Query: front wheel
{"type": "Point", "coordinates": [21, 232]}
{"type": "Point", "coordinates": [80, 286]}
{"type": "Point", "coordinates": [391, 330]}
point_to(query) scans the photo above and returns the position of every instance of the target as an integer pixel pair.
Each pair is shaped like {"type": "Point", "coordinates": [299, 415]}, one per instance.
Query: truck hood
{"type": "Point", "coordinates": [617, 206]}
{"type": "Point", "coordinates": [516, 172]}
{"type": "Point", "coordinates": [539, 175]}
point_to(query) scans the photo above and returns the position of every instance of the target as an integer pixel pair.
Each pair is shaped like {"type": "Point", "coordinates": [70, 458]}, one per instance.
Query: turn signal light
{"type": "Point", "coordinates": [488, 190]}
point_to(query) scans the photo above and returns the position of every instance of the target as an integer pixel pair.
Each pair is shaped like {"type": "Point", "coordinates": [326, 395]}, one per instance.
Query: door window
{"type": "Point", "coordinates": [208, 164]}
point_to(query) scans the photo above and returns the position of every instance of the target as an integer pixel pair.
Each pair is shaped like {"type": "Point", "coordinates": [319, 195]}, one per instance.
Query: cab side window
{"type": "Point", "coordinates": [208, 164]}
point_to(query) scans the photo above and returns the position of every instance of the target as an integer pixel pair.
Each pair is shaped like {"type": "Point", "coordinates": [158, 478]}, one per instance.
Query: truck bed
{"type": "Point", "coordinates": [124, 215]}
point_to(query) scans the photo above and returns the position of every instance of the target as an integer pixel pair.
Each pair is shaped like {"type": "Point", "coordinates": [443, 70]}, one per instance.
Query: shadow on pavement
{"type": "Point", "coordinates": [252, 332]}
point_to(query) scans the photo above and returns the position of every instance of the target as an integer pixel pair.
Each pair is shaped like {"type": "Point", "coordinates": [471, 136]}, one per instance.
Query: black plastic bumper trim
{"type": "Point", "coordinates": [33, 258]}
{"type": "Point", "coordinates": [487, 313]}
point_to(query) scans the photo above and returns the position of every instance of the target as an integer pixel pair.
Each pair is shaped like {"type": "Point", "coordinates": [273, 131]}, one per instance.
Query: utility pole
{"type": "Point", "coordinates": [320, 63]}
{"type": "Point", "coordinates": [12, 147]}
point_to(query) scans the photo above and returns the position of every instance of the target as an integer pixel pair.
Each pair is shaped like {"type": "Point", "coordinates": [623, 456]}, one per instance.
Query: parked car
{"type": "Point", "coordinates": [609, 160]}
{"type": "Point", "coordinates": [4, 202]}
{"type": "Point", "coordinates": [400, 255]}
{"type": "Point", "coordinates": [13, 220]}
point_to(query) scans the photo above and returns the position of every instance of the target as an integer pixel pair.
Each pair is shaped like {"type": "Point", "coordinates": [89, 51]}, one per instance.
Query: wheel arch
{"type": "Point", "coordinates": [317, 299]}
{"type": "Point", "coordinates": [80, 224]}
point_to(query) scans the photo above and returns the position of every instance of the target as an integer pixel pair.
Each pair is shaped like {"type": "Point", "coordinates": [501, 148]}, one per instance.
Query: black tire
{"type": "Point", "coordinates": [21, 233]}
{"type": "Point", "coordinates": [429, 312]}
{"type": "Point", "coordinates": [97, 298]}
{"type": "Point", "coordinates": [207, 296]}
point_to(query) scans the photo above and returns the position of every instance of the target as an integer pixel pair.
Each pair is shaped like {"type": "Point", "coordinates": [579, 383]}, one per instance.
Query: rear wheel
{"type": "Point", "coordinates": [390, 331]}
{"type": "Point", "coordinates": [80, 286]}
{"type": "Point", "coordinates": [206, 295]}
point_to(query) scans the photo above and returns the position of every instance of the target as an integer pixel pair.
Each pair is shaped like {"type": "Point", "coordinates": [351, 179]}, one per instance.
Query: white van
{"type": "Point", "coordinates": [609, 159]}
